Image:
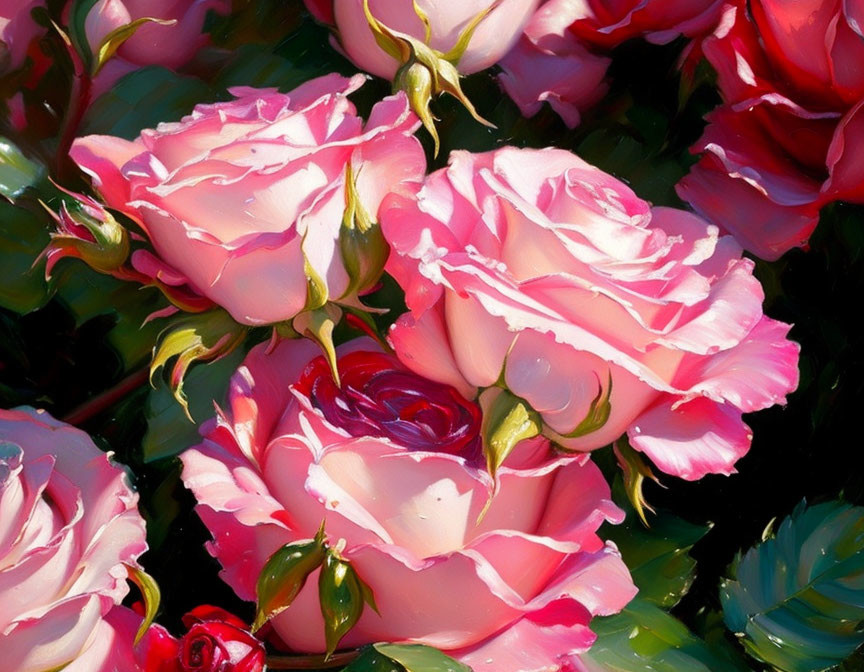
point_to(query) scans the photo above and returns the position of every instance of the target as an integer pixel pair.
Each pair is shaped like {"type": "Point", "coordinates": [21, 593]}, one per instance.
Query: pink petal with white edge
{"type": "Point", "coordinates": [694, 439]}
{"type": "Point", "coordinates": [756, 374]}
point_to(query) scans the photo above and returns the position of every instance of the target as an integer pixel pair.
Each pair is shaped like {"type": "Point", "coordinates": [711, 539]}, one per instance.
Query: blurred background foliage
{"type": "Point", "coordinates": [66, 343]}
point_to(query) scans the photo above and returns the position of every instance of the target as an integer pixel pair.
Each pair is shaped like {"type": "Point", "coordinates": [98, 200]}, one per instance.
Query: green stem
{"type": "Point", "coordinates": [105, 400]}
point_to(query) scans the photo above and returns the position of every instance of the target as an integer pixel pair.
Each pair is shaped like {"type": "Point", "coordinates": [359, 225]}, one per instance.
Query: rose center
{"type": "Point", "coordinates": [379, 397]}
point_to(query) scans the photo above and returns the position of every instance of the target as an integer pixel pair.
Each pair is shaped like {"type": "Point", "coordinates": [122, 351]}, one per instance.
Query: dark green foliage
{"type": "Point", "coordinates": [797, 599]}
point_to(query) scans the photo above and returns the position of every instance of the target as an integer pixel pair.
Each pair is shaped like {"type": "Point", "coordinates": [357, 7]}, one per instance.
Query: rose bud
{"type": "Point", "coordinates": [166, 32]}
{"type": "Point", "coordinates": [424, 47]}
{"type": "Point", "coordinates": [217, 641]}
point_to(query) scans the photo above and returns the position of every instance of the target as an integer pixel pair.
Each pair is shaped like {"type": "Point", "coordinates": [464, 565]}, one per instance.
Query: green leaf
{"type": "Point", "coordinates": [658, 557]}
{"type": "Point", "coordinates": [507, 420]}
{"type": "Point", "coordinates": [169, 432]}
{"type": "Point", "coordinates": [341, 595]}
{"type": "Point", "coordinates": [643, 637]}
{"type": "Point", "coordinates": [151, 594]}
{"type": "Point", "coordinates": [88, 294]}
{"type": "Point", "coordinates": [370, 660]}
{"type": "Point", "coordinates": [17, 172]}
{"type": "Point", "coordinates": [420, 658]}
{"type": "Point", "coordinates": [284, 576]}
{"type": "Point", "coordinates": [797, 599]}
{"type": "Point", "coordinates": [23, 236]}
{"type": "Point", "coordinates": [142, 99]}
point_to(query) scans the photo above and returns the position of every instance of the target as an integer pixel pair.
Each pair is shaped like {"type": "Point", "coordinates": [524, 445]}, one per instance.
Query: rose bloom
{"type": "Point", "coordinates": [17, 31]}
{"type": "Point", "coordinates": [560, 58]}
{"type": "Point", "coordinates": [171, 46]}
{"type": "Point", "coordinates": [535, 268]}
{"type": "Point", "coordinates": [494, 36]}
{"type": "Point", "coordinates": [392, 463]}
{"type": "Point", "coordinates": [241, 199]}
{"type": "Point", "coordinates": [68, 522]}
{"type": "Point", "coordinates": [787, 139]}
{"type": "Point", "coordinates": [215, 641]}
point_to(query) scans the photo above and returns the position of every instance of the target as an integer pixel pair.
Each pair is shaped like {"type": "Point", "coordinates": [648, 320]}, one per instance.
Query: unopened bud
{"type": "Point", "coordinates": [87, 231]}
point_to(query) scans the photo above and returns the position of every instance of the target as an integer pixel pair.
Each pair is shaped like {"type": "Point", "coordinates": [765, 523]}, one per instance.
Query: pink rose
{"type": "Point", "coordinates": [550, 64]}
{"type": "Point", "coordinates": [786, 141]}
{"type": "Point", "coordinates": [171, 46]}
{"type": "Point", "coordinates": [494, 36]}
{"type": "Point", "coordinates": [392, 463]}
{"type": "Point", "coordinates": [244, 201]}
{"type": "Point", "coordinates": [69, 522]}
{"type": "Point", "coordinates": [535, 268]}
{"type": "Point", "coordinates": [17, 30]}
{"type": "Point", "coordinates": [560, 57]}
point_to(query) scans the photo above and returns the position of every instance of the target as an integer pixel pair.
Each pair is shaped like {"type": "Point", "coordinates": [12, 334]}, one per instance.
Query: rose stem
{"type": "Point", "coordinates": [107, 399]}
{"type": "Point", "coordinates": [310, 662]}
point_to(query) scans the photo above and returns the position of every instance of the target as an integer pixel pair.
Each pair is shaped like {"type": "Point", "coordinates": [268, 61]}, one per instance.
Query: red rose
{"type": "Point", "coordinates": [786, 140]}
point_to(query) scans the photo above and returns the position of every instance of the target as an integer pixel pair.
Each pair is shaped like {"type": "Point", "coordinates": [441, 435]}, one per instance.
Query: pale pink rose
{"type": "Point", "coordinates": [560, 57]}
{"type": "Point", "coordinates": [68, 522]}
{"type": "Point", "coordinates": [535, 268]}
{"type": "Point", "coordinates": [494, 36]}
{"type": "Point", "coordinates": [786, 141]}
{"type": "Point", "coordinates": [17, 30]}
{"type": "Point", "coordinates": [393, 462]}
{"type": "Point", "coordinates": [239, 197]}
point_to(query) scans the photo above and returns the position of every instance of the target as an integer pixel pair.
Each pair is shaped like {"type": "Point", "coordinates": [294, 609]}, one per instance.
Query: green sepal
{"type": "Point", "coordinates": [318, 325]}
{"type": "Point", "coordinates": [152, 597]}
{"type": "Point", "coordinates": [361, 243]}
{"type": "Point", "coordinates": [635, 470]}
{"type": "Point", "coordinates": [199, 337]}
{"type": "Point", "coordinates": [284, 575]}
{"type": "Point", "coordinates": [316, 289]}
{"type": "Point", "coordinates": [454, 55]}
{"type": "Point", "coordinates": [507, 420]}
{"type": "Point", "coordinates": [416, 80]}
{"type": "Point", "coordinates": [113, 40]}
{"type": "Point", "coordinates": [341, 594]}
{"type": "Point", "coordinates": [597, 415]}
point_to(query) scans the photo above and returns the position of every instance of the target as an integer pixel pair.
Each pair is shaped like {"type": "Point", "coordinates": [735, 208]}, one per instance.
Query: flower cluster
{"type": "Point", "coordinates": [430, 483]}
